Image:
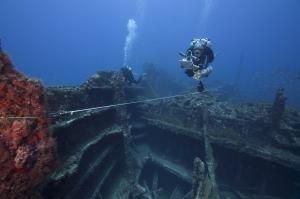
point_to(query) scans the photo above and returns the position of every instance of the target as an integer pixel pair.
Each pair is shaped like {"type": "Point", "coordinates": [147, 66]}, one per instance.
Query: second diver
{"type": "Point", "coordinates": [196, 60]}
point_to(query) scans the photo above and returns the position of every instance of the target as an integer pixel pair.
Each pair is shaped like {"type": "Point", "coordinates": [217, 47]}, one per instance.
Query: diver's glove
{"type": "Point", "coordinates": [205, 72]}
{"type": "Point", "coordinates": [198, 74]}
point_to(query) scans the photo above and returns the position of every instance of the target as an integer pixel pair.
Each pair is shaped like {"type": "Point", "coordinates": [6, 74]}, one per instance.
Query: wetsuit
{"type": "Point", "coordinates": [206, 57]}
{"type": "Point", "coordinates": [129, 76]}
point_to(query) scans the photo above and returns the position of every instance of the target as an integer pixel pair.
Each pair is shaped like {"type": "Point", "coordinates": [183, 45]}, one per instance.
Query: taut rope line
{"type": "Point", "coordinates": [103, 107]}
{"type": "Point", "coordinates": [122, 104]}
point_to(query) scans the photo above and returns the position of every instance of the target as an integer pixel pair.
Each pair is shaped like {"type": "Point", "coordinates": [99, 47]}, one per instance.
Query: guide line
{"type": "Point", "coordinates": [123, 104]}
{"type": "Point", "coordinates": [103, 107]}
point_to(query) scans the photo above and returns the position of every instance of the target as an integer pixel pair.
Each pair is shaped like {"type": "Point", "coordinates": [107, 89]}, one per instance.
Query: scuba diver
{"type": "Point", "coordinates": [196, 59]}
{"type": "Point", "coordinates": [129, 77]}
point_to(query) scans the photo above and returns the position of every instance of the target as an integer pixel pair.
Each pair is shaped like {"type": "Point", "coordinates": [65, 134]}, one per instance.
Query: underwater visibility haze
{"type": "Point", "coordinates": [157, 131]}
{"type": "Point", "coordinates": [49, 39]}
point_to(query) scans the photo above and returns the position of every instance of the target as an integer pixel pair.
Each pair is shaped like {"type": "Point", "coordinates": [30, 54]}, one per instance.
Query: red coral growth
{"type": "Point", "coordinates": [26, 150]}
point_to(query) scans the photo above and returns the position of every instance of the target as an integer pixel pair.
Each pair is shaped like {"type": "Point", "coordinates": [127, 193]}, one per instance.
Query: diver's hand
{"type": "Point", "coordinates": [195, 67]}
{"type": "Point", "coordinates": [205, 72]}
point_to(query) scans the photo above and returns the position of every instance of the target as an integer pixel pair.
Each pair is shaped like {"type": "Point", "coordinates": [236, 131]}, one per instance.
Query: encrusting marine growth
{"type": "Point", "coordinates": [27, 152]}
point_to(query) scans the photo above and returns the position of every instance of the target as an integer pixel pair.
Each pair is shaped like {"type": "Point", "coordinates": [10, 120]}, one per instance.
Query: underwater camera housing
{"type": "Point", "coordinates": [186, 64]}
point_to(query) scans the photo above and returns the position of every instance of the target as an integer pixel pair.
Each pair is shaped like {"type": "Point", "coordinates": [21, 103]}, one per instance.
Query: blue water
{"type": "Point", "coordinates": [63, 42]}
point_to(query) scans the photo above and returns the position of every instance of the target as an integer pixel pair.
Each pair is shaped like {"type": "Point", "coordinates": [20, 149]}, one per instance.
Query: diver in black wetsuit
{"type": "Point", "coordinates": [196, 60]}
{"type": "Point", "coordinates": [129, 77]}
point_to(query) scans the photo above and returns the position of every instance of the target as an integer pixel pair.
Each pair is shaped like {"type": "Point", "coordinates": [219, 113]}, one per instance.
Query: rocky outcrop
{"type": "Point", "coordinates": [27, 152]}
